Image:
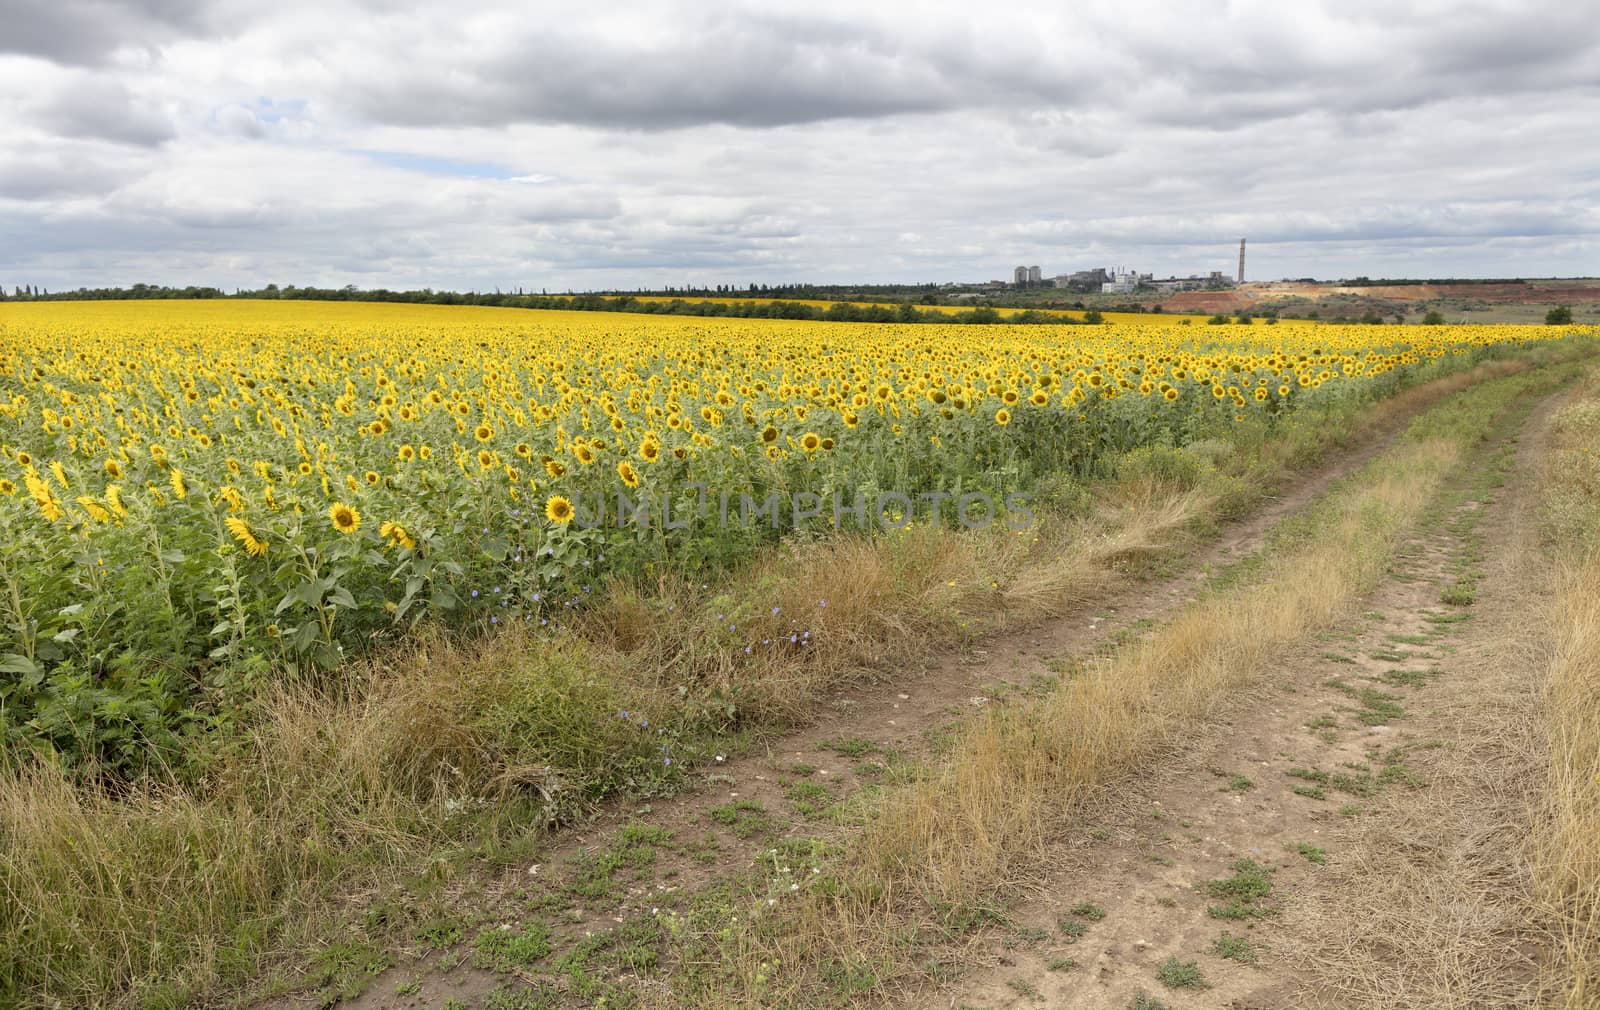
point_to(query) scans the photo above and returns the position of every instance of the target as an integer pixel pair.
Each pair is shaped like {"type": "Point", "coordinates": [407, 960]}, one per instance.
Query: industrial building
{"type": "Point", "coordinates": [1028, 277]}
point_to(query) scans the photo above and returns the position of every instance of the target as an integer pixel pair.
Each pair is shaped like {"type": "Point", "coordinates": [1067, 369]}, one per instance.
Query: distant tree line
{"type": "Point", "coordinates": [673, 305]}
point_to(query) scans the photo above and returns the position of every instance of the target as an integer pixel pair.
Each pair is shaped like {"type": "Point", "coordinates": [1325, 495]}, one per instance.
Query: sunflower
{"type": "Point", "coordinates": [95, 510]}
{"type": "Point", "coordinates": [629, 475]}
{"type": "Point", "coordinates": [769, 434]}
{"type": "Point", "coordinates": [584, 453]}
{"type": "Point", "coordinates": [396, 535]}
{"type": "Point", "coordinates": [304, 468]}
{"type": "Point", "coordinates": [407, 453]}
{"type": "Point", "coordinates": [558, 509]}
{"type": "Point", "coordinates": [1170, 395]}
{"type": "Point", "coordinates": [345, 519]}
{"type": "Point", "coordinates": [486, 459]}
{"type": "Point", "coordinates": [1002, 417]}
{"type": "Point", "coordinates": [179, 488]}
{"type": "Point", "coordinates": [650, 450]}
{"type": "Point", "coordinates": [241, 531]}
{"type": "Point", "coordinates": [483, 433]}
{"type": "Point", "coordinates": [7, 487]}
{"type": "Point", "coordinates": [524, 450]}
{"type": "Point", "coordinates": [113, 469]}
{"type": "Point", "coordinates": [371, 477]}
{"type": "Point", "coordinates": [810, 441]}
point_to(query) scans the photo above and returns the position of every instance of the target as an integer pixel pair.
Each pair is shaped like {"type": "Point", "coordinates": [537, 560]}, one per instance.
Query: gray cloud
{"type": "Point", "coordinates": [759, 72]}
{"type": "Point", "coordinates": [85, 32]}
{"type": "Point", "coordinates": [60, 171]}
{"type": "Point", "coordinates": [101, 108]}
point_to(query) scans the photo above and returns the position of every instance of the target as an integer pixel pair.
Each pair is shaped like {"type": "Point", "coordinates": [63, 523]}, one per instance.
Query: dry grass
{"type": "Point", "coordinates": [1565, 847]}
{"type": "Point", "coordinates": [1447, 898]}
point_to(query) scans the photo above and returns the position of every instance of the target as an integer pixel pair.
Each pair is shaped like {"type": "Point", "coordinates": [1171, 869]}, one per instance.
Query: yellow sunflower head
{"type": "Point", "coordinates": [558, 509]}
{"type": "Point", "coordinates": [344, 518]}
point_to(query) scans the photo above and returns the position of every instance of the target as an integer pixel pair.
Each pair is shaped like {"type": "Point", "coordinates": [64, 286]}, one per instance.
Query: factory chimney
{"type": "Point", "coordinates": [1241, 261]}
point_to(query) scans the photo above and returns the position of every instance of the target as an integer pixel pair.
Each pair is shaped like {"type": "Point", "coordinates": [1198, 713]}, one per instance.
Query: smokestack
{"type": "Point", "coordinates": [1241, 261]}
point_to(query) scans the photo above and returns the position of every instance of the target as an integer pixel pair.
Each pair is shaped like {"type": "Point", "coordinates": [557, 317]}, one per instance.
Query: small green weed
{"type": "Point", "coordinates": [1246, 892]}
{"type": "Point", "coordinates": [1311, 853]}
{"type": "Point", "coordinates": [1175, 974]}
{"type": "Point", "coordinates": [1235, 948]}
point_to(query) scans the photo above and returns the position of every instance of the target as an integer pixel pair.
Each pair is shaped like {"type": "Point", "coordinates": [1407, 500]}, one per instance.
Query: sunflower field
{"type": "Point", "coordinates": [195, 495]}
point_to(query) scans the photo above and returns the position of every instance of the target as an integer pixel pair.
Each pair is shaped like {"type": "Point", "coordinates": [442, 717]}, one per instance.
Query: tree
{"type": "Point", "coordinates": [1093, 316]}
{"type": "Point", "coordinates": [1561, 315]}
{"type": "Point", "coordinates": [1433, 318]}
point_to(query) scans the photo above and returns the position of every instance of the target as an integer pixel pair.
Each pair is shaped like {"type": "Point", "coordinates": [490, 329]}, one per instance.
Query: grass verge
{"type": "Point", "coordinates": [1565, 846]}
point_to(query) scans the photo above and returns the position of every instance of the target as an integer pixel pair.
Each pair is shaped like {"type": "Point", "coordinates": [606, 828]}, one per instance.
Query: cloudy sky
{"type": "Point", "coordinates": [589, 146]}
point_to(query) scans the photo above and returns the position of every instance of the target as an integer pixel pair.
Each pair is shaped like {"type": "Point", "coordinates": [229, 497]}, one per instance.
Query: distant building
{"type": "Point", "coordinates": [1083, 280]}
{"type": "Point", "coordinates": [1123, 282]}
{"type": "Point", "coordinates": [1021, 275]}
{"type": "Point", "coordinates": [1035, 277]}
{"type": "Point", "coordinates": [1194, 282]}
